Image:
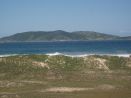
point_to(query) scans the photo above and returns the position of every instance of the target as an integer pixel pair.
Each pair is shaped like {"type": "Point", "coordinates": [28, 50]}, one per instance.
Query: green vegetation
{"type": "Point", "coordinates": [57, 36]}
{"type": "Point", "coordinates": [117, 63]}
{"type": "Point", "coordinates": [31, 76]}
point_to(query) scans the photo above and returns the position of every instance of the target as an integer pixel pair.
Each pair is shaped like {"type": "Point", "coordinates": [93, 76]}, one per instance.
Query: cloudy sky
{"type": "Point", "coordinates": [105, 16]}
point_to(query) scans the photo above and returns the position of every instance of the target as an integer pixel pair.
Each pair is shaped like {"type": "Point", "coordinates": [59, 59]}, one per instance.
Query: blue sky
{"type": "Point", "coordinates": [105, 16]}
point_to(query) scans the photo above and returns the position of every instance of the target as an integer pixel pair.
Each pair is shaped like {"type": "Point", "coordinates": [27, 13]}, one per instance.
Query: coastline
{"type": "Point", "coordinates": [84, 55]}
{"type": "Point", "coordinates": [65, 40]}
{"type": "Point", "coordinates": [68, 55]}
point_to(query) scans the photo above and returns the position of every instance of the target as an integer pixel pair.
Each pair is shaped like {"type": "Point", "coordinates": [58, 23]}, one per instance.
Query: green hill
{"type": "Point", "coordinates": [57, 35]}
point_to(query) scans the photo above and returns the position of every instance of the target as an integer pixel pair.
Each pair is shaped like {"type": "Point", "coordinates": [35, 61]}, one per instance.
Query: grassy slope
{"type": "Point", "coordinates": [23, 77]}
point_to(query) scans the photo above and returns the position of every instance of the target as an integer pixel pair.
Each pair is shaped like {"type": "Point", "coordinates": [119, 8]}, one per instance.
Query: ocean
{"type": "Point", "coordinates": [103, 47]}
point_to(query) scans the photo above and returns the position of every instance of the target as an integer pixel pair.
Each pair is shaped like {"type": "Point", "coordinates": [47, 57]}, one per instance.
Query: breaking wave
{"type": "Point", "coordinates": [69, 54]}
{"type": "Point", "coordinates": [83, 55]}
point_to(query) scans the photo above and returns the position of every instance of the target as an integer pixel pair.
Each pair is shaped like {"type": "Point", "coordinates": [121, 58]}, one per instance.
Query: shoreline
{"type": "Point", "coordinates": [69, 55]}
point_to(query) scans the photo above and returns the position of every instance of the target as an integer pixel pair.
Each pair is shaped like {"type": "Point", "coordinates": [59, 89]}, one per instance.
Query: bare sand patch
{"type": "Point", "coordinates": [102, 64]}
{"type": "Point", "coordinates": [65, 89]}
{"type": "Point", "coordinates": [40, 64]}
{"type": "Point", "coordinates": [78, 89]}
{"type": "Point", "coordinates": [34, 82]}
{"type": "Point", "coordinates": [105, 87]}
{"type": "Point", "coordinates": [10, 84]}
{"type": "Point", "coordinates": [9, 95]}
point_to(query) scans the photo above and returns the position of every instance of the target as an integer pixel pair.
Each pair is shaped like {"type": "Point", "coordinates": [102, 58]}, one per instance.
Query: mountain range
{"type": "Point", "coordinates": [59, 35]}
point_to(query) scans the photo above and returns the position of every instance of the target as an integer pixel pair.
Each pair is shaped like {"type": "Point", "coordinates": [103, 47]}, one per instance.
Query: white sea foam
{"type": "Point", "coordinates": [7, 55]}
{"type": "Point", "coordinates": [70, 55]}
{"type": "Point", "coordinates": [121, 55]}
{"type": "Point", "coordinates": [80, 55]}
{"type": "Point", "coordinates": [53, 54]}
{"type": "Point", "coordinates": [67, 54]}
{"type": "Point", "coordinates": [83, 55]}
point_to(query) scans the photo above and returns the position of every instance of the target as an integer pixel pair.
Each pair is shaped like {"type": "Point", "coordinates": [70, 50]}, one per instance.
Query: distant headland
{"type": "Point", "coordinates": [60, 35]}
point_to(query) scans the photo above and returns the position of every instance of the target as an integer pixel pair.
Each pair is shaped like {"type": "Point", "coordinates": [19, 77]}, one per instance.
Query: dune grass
{"type": "Point", "coordinates": [20, 77]}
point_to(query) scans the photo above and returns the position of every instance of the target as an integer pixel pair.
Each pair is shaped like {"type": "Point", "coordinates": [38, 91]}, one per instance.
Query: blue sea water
{"type": "Point", "coordinates": [67, 47]}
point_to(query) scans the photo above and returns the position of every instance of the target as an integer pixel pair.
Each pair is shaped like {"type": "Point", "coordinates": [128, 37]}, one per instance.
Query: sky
{"type": "Point", "coordinates": [105, 16]}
